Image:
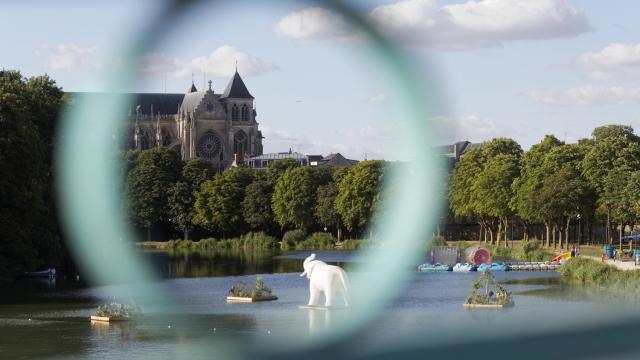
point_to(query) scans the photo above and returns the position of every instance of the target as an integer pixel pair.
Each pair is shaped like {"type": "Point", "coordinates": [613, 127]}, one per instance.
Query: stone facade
{"type": "Point", "coordinates": [219, 128]}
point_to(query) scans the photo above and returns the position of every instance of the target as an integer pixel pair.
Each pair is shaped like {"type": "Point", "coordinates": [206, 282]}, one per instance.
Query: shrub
{"type": "Point", "coordinates": [207, 244]}
{"type": "Point", "coordinates": [318, 241]}
{"type": "Point", "coordinates": [291, 238]}
{"type": "Point", "coordinates": [353, 244]}
{"type": "Point", "coordinates": [258, 240]}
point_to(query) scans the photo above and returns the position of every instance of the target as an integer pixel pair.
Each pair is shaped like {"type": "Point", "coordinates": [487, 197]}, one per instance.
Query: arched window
{"type": "Point", "coordinates": [245, 112]}
{"type": "Point", "coordinates": [235, 113]}
{"type": "Point", "coordinates": [240, 144]}
{"type": "Point", "coordinates": [166, 138]}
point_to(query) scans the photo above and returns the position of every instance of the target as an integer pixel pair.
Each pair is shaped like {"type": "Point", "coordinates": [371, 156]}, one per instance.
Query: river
{"type": "Point", "coordinates": [42, 318]}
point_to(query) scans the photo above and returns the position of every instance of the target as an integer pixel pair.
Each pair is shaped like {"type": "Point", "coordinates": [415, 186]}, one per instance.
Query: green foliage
{"type": "Point", "coordinates": [595, 273]}
{"type": "Point", "coordinates": [180, 206]}
{"type": "Point", "coordinates": [217, 203]}
{"type": "Point", "coordinates": [256, 205]}
{"type": "Point", "coordinates": [196, 171]}
{"type": "Point", "coordinates": [353, 244]}
{"type": "Point", "coordinates": [257, 291]}
{"type": "Point", "coordinates": [29, 111]}
{"type": "Point", "coordinates": [146, 193]}
{"type": "Point", "coordinates": [325, 211]}
{"type": "Point", "coordinates": [525, 250]}
{"type": "Point", "coordinates": [294, 197]}
{"type": "Point", "coordinates": [318, 241]}
{"type": "Point", "coordinates": [118, 310]}
{"type": "Point", "coordinates": [487, 291]}
{"type": "Point", "coordinates": [358, 192]}
{"type": "Point", "coordinates": [249, 241]}
{"type": "Point", "coordinates": [278, 168]}
{"type": "Point", "coordinates": [291, 238]}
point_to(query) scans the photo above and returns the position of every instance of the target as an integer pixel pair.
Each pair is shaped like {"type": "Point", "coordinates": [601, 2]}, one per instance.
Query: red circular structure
{"type": "Point", "coordinates": [481, 256]}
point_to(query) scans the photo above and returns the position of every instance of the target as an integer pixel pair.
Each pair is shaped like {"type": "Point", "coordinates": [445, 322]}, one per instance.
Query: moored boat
{"type": "Point", "coordinates": [464, 267]}
{"type": "Point", "coordinates": [435, 267]}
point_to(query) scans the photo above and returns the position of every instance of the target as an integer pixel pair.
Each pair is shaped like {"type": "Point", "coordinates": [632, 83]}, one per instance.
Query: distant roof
{"type": "Point", "coordinates": [236, 88]}
{"type": "Point", "coordinates": [193, 88]}
{"type": "Point", "coordinates": [336, 160]}
{"type": "Point", "coordinates": [280, 156]}
{"type": "Point", "coordinates": [166, 104]}
{"type": "Point", "coordinates": [457, 149]}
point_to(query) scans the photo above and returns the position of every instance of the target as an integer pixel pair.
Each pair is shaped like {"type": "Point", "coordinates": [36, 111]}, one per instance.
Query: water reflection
{"type": "Point", "coordinates": [214, 263]}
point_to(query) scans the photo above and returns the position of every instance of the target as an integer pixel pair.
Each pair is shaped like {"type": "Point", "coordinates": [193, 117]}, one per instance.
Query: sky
{"type": "Point", "coordinates": [494, 68]}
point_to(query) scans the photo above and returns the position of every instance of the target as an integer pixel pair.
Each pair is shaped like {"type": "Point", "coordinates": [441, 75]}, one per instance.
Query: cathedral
{"type": "Point", "coordinates": [220, 128]}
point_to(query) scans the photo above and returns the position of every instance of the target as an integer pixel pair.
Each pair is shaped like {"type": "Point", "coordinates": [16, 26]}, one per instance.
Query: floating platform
{"type": "Point", "coordinates": [239, 300]}
{"type": "Point", "coordinates": [488, 306]}
{"type": "Point", "coordinates": [106, 319]}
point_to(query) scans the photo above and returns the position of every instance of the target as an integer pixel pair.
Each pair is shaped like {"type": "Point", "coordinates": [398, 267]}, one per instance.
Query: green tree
{"type": "Point", "coordinates": [294, 198]}
{"type": "Point", "coordinates": [218, 203]}
{"type": "Point", "coordinates": [325, 211]}
{"type": "Point", "coordinates": [494, 192]}
{"type": "Point", "coordinates": [148, 184]}
{"type": "Point", "coordinates": [256, 205]}
{"type": "Point", "coordinates": [196, 171]}
{"type": "Point", "coordinates": [277, 168]}
{"type": "Point", "coordinates": [479, 184]}
{"type": "Point", "coordinates": [615, 147]}
{"type": "Point", "coordinates": [358, 192]}
{"type": "Point", "coordinates": [29, 235]}
{"type": "Point", "coordinates": [527, 186]}
{"type": "Point", "coordinates": [182, 196]}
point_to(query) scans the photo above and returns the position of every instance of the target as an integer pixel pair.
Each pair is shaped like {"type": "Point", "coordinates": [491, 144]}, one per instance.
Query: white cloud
{"type": "Point", "coordinates": [615, 61]}
{"type": "Point", "coordinates": [469, 127]}
{"type": "Point", "coordinates": [313, 23]}
{"type": "Point", "coordinates": [377, 99]}
{"type": "Point", "coordinates": [69, 56]}
{"type": "Point", "coordinates": [369, 133]}
{"type": "Point", "coordinates": [423, 24]}
{"type": "Point", "coordinates": [220, 63]}
{"type": "Point", "coordinates": [588, 95]}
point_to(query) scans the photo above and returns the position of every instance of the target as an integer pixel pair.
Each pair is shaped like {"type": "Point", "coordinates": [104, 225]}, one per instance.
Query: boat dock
{"type": "Point", "coordinates": [534, 266]}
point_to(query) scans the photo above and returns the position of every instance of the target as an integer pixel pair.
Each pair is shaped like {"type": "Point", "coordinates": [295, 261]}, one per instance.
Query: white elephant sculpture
{"type": "Point", "coordinates": [325, 278]}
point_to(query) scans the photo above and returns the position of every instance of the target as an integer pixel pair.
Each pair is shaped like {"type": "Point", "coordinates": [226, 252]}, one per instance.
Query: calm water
{"type": "Point", "coordinates": [51, 319]}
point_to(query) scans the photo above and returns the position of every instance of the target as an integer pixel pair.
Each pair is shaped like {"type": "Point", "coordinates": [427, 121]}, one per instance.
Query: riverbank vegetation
{"type": "Point", "coordinates": [591, 272]}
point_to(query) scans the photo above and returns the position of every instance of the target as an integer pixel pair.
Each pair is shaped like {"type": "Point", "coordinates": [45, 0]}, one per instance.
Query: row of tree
{"type": "Point", "coordinates": [190, 195]}
{"type": "Point", "coordinates": [595, 180]}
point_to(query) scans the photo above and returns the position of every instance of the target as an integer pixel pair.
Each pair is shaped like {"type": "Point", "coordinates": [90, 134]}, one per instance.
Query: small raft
{"type": "Point", "coordinates": [241, 299]}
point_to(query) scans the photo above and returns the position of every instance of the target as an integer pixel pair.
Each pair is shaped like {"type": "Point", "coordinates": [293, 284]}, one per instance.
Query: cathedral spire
{"type": "Point", "coordinates": [236, 88]}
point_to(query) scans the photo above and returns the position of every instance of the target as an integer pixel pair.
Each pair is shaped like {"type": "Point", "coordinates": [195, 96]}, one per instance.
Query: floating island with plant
{"type": "Point", "coordinates": [242, 292]}
{"type": "Point", "coordinates": [487, 293]}
{"type": "Point", "coordinates": [115, 311]}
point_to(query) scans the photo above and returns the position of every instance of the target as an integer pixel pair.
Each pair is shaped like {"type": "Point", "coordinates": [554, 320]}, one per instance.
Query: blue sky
{"type": "Point", "coordinates": [515, 68]}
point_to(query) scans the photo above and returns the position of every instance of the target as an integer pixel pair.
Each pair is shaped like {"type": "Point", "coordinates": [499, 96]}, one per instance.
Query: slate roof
{"type": "Point", "coordinates": [337, 160]}
{"type": "Point", "coordinates": [163, 103]}
{"type": "Point", "coordinates": [166, 104]}
{"type": "Point", "coordinates": [236, 88]}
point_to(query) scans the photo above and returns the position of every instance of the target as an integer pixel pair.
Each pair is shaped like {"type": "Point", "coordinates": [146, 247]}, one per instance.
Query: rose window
{"type": "Point", "coordinates": [209, 146]}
